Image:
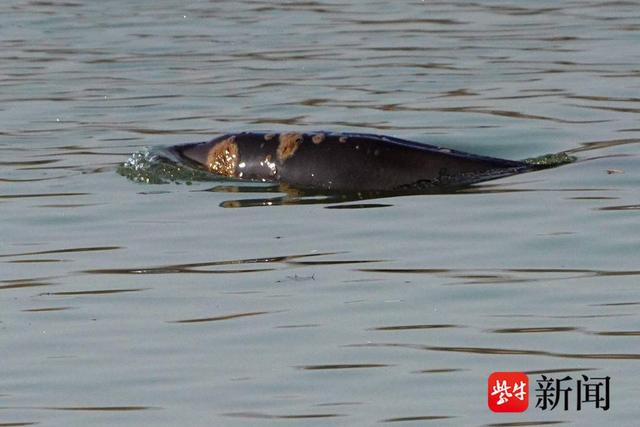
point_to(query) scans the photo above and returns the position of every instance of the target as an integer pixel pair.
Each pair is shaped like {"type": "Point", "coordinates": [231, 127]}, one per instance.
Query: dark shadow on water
{"type": "Point", "coordinates": [504, 351]}
{"type": "Point", "coordinates": [63, 251]}
{"type": "Point", "coordinates": [439, 371]}
{"type": "Point", "coordinates": [417, 418]}
{"type": "Point", "coordinates": [28, 196]}
{"type": "Point", "coordinates": [283, 195]}
{"type": "Point", "coordinates": [94, 292]}
{"type": "Point", "coordinates": [127, 408]}
{"type": "Point", "coordinates": [620, 208]}
{"type": "Point", "coordinates": [262, 415]}
{"type": "Point", "coordinates": [534, 330]}
{"type": "Point", "coordinates": [558, 371]}
{"type": "Point", "coordinates": [360, 206]}
{"type": "Point", "coordinates": [99, 408]}
{"type": "Point", "coordinates": [18, 424]}
{"type": "Point", "coordinates": [413, 327]}
{"type": "Point", "coordinates": [484, 276]}
{"type": "Point", "coordinates": [615, 304]}
{"type": "Point", "coordinates": [597, 145]}
{"type": "Point", "coordinates": [17, 284]}
{"type": "Point", "coordinates": [527, 423]}
{"type": "Point", "coordinates": [280, 195]}
{"type": "Point", "coordinates": [219, 318]}
{"type": "Point", "coordinates": [201, 267]}
{"type": "Point", "coordinates": [342, 366]}
{"type": "Point", "coordinates": [45, 309]}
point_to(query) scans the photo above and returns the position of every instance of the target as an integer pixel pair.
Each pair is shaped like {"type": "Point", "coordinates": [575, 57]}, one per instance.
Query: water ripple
{"type": "Point", "coordinates": [505, 351]}
{"type": "Point", "coordinates": [196, 266]}
{"type": "Point", "coordinates": [416, 418]}
{"type": "Point", "coordinates": [64, 251]}
{"type": "Point", "coordinates": [93, 292]}
{"type": "Point", "coordinates": [340, 366]}
{"type": "Point", "coordinates": [225, 317]}
{"type": "Point", "coordinates": [262, 415]}
{"type": "Point", "coordinates": [527, 423]}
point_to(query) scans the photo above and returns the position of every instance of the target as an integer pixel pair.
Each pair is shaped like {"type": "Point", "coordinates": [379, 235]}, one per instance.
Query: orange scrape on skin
{"type": "Point", "coordinates": [289, 143]}
{"type": "Point", "coordinates": [318, 138]}
{"type": "Point", "coordinates": [222, 159]}
{"type": "Point", "coordinates": [343, 139]}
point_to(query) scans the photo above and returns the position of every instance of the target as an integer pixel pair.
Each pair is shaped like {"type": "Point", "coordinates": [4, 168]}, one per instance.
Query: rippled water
{"type": "Point", "coordinates": [130, 304]}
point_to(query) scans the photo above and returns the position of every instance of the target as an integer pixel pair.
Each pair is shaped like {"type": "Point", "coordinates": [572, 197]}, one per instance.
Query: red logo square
{"type": "Point", "coordinates": [508, 392]}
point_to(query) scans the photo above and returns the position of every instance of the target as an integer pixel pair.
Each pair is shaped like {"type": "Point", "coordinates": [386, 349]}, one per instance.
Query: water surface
{"type": "Point", "coordinates": [130, 304]}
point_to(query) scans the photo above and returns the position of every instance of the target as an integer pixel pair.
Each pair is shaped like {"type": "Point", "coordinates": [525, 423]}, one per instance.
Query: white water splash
{"type": "Point", "coordinates": [159, 166]}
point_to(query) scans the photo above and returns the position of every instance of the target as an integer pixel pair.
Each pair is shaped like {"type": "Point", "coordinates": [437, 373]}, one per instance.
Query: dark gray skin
{"type": "Point", "coordinates": [343, 162]}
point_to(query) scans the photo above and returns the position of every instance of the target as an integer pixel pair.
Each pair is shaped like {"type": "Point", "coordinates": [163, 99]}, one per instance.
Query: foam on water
{"type": "Point", "coordinates": [550, 160]}
{"type": "Point", "coordinates": [157, 165]}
